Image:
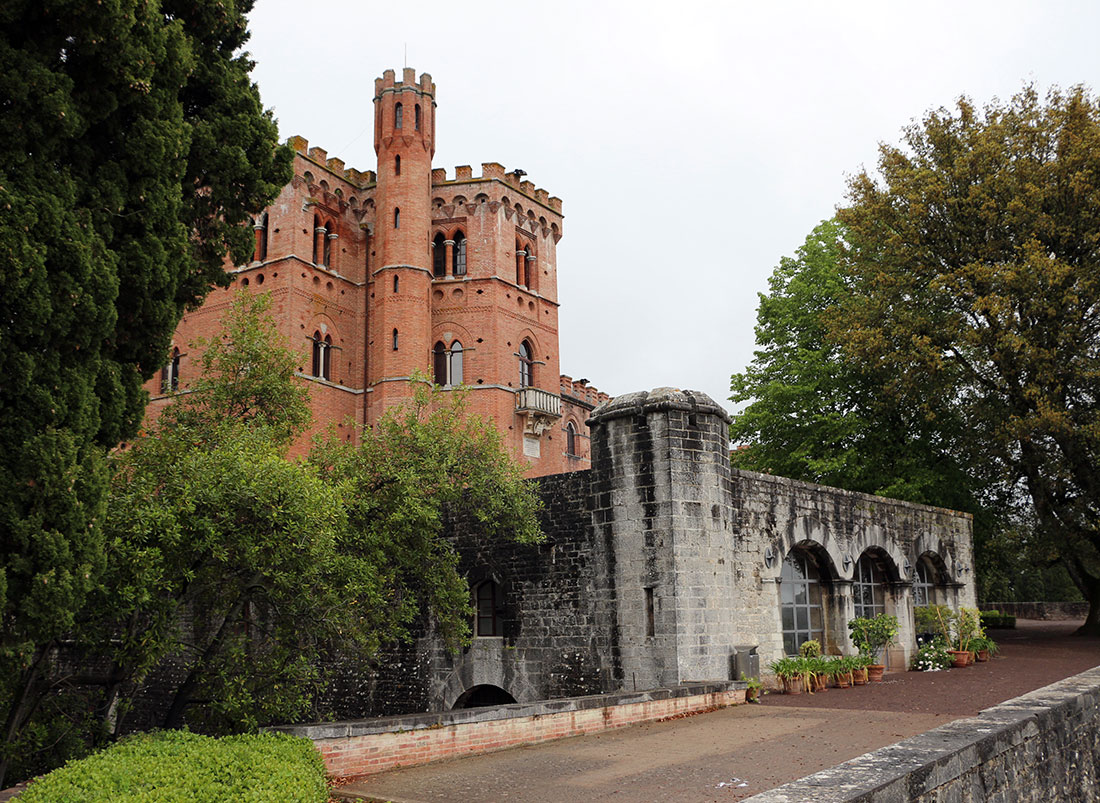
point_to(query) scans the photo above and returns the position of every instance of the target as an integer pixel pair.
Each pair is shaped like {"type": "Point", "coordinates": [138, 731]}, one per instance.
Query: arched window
{"type": "Point", "coordinates": [261, 238]}
{"type": "Point", "coordinates": [439, 256]}
{"type": "Point", "coordinates": [527, 266]}
{"type": "Point", "coordinates": [396, 283]}
{"type": "Point", "coordinates": [487, 607]}
{"type": "Point", "coordinates": [520, 262]}
{"type": "Point", "coordinates": [397, 165]}
{"type": "Point", "coordinates": [328, 235]}
{"type": "Point", "coordinates": [456, 364]}
{"type": "Point", "coordinates": [398, 116]}
{"type": "Point", "coordinates": [318, 239]}
{"type": "Point", "coordinates": [322, 356]}
{"type": "Point", "coordinates": [170, 374]}
{"type": "Point", "coordinates": [459, 268]}
{"type": "Point", "coordinates": [526, 365]}
{"type": "Point", "coordinates": [571, 439]}
{"type": "Point", "coordinates": [439, 363]}
{"type": "Point", "coordinates": [800, 601]}
{"type": "Point", "coordinates": [924, 585]}
{"type": "Point", "coordinates": [397, 217]}
{"type": "Point", "coordinates": [868, 587]}
{"type": "Point", "coordinates": [395, 340]}
{"type": "Point", "coordinates": [416, 117]}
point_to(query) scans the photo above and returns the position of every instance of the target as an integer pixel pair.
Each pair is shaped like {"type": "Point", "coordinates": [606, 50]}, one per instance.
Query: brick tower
{"type": "Point", "coordinates": [378, 275]}
{"type": "Point", "coordinates": [399, 317]}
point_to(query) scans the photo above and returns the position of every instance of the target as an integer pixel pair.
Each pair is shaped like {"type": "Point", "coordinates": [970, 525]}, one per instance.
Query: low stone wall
{"type": "Point", "coordinates": [1040, 610]}
{"type": "Point", "coordinates": [365, 747]}
{"type": "Point", "coordinates": [1042, 746]}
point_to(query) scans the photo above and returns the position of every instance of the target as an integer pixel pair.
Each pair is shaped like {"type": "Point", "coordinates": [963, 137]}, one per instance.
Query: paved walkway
{"type": "Point", "coordinates": [731, 754]}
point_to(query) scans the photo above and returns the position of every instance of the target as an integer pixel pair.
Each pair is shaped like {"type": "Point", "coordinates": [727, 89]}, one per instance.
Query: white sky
{"type": "Point", "coordinates": [692, 143]}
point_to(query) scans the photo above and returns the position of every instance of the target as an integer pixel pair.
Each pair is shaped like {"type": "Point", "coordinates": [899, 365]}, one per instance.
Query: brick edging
{"type": "Point", "coordinates": [352, 749]}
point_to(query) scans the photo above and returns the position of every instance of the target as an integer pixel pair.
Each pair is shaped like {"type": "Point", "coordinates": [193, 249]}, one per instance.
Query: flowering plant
{"type": "Point", "coordinates": [930, 658]}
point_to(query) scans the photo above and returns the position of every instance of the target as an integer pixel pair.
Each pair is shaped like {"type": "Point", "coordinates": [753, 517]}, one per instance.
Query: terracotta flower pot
{"type": "Point", "coordinates": [792, 685]}
{"type": "Point", "coordinates": [821, 683]}
{"type": "Point", "coordinates": [874, 672]}
{"type": "Point", "coordinates": [983, 656]}
{"type": "Point", "coordinates": [958, 657]}
{"type": "Point", "coordinates": [843, 681]}
{"type": "Point", "coordinates": [859, 677]}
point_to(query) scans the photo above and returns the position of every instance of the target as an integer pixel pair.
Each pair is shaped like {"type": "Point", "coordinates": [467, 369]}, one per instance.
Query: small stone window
{"type": "Point", "coordinates": [416, 117]}
{"type": "Point", "coordinates": [396, 283]}
{"type": "Point", "coordinates": [397, 217]}
{"type": "Point", "coordinates": [570, 439]}
{"type": "Point", "coordinates": [395, 340]}
{"type": "Point", "coordinates": [487, 609]}
{"type": "Point", "coordinates": [397, 165]}
{"type": "Point", "coordinates": [398, 116]}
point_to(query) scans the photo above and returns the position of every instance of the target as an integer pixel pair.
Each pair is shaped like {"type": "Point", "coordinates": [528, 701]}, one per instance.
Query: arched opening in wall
{"type": "Point", "coordinates": [527, 266]}
{"type": "Point", "coordinates": [326, 361]}
{"type": "Point", "coordinates": [318, 238]}
{"type": "Point", "coordinates": [170, 374]}
{"type": "Point", "coordinates": [439, 256]}
{"type": "Point", "coordinates": [261, 238]}
{"type": "Point", "coordinates": [526, 365]}
{"type": "Point", "coordinates": [397, 165]}
{"type": "Point", "coordinates": [416, 117]}
{"type": "Point", "coordinates": [322, 355]}
{"type": "Point", "coordinates": [395, 340]}
{"type": "Point", "coordinates": [439, 363]}
{"type": "Point", "coordinates": [459, 266]}
{"type": "Point", "coordinates": [398, 116]}
{"type": "Point", "coordinates": [329, 237]}
{"type": "Point", "coordinates": [487, 608]}
{"type": "Point", "coordinates": [930, 581]}
{"type": "Point", "coordinates": [519, 263]}
{"type": "Point", "coordinates": [396, 283]}
{"type": "Point", "coordinates": [397, 217]}
{"type": "Point", "coordinates": [483, 696]}
{"type": "Point", "coordinates": [869, 586]}
{"type": "Point", "coordinates": [801, 604]}
{"type": "Point", "coordinates": [570, 439]}
{"type": "Point", "coordinates": [456, 364]}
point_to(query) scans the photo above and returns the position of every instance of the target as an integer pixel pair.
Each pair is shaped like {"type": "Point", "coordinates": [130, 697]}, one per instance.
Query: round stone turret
{"type": "Point", "coordinates": [642, 402]}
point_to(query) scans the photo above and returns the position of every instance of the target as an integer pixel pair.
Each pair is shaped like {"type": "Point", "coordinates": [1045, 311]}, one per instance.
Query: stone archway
{"type": "Point", "coordinates": [482, 696]}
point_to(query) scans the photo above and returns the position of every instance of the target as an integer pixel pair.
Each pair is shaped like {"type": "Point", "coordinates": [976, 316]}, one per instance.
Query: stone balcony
{"type": "Point", "coordinates": [540, 408]}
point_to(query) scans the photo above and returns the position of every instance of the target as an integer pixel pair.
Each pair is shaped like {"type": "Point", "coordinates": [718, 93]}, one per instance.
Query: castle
{"type": "Point", "coordinates": [379, 275]}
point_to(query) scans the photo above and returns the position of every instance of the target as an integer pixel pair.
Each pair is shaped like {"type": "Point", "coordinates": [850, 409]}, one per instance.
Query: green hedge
{"type": "Point", "coordinates": [996, 619]}
{"type": "Point", "coordinates": [182, 767]}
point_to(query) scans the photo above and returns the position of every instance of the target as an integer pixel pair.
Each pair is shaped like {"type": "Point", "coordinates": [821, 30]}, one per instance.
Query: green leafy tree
{"type": "Point", "coordinates": [975, 276]}
{"type": "Point", "coordinates": [133, 148]}
{"type": "Point", "coordinates": [816, 414]}
{"type": "Point", "coordinates": [421, 462]}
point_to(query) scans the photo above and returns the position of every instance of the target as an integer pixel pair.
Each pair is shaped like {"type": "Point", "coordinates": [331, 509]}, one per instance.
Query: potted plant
{"type": "Point", "coordinates": [967, 628]}
{"type": "Point", "coordinates": [931, 657]}
{"type": "Point", "coordinates": [820, 666]}
{"type": "Point", "coordinates": [984, 647]}
{"type": "Point", "coordinates": [752, 691]}
{"type": "Point", "coordinates": [859, 668]}
{"type": "Point", "coordinates": [810, 648]}
{"type": "Point", "coordinates": [840, 671]}
{"type": "Point", "coordinates": [789, 672]}
{"type": "Point", "coordinates": [872, 636]}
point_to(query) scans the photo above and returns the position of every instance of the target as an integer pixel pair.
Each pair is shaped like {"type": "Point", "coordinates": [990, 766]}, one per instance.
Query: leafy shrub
{"type": "Point", "coordinates": [811, 648]}
{"type": "Point", "coordinates": [930, 658]}
{"type": "Point", "coordinates": [996, 619]}
{"type": "Point", "coordinates": [873, 635]}
{"type": "Point", "coordinates": [183, 767]}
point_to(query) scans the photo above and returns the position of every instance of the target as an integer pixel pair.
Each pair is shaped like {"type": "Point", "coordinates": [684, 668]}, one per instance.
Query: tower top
{"type": "Point", "coordinates": [388, 83]}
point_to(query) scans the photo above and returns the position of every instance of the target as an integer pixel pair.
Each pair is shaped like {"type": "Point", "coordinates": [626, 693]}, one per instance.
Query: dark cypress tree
{"type": "Point", "coordinates": [133, 151]}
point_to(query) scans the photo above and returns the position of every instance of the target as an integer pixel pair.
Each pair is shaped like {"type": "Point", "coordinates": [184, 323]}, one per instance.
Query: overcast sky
{"type": "Point", "coordinates": [693, 144]}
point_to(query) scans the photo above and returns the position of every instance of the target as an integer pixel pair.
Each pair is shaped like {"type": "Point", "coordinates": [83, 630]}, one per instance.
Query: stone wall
{"type": "Point", "coordinates": [1040, 610]}
{"type": "Point", "coordinates": [1043, 746]}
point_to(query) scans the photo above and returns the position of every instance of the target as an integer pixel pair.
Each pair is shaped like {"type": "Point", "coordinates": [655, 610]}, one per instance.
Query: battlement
{"type": "Point", "coordinates": [336, 166]}
{"type": "Point", "coordinates": [581, 390]}
{"type": "Point", "coordinates": [388, 83]}
{"type": "Point", "coordinates": [494, 171]}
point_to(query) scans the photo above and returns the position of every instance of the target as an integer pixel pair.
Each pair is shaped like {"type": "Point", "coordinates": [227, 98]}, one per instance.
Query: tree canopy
{"type": "Point", "coordinates": [133, 150]}
{"type": "Point", "coordinates": [974, 258]}
{"type": "Point", "coordinates": [816, 414]}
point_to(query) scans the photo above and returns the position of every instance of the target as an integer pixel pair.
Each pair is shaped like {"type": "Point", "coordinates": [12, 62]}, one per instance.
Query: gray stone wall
{"type": "Point", "coordinates": [1043, 746]}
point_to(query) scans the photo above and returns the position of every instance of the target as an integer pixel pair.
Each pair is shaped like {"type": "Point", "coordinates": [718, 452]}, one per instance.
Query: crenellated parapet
{"type": "Point", "coordinates": [362, 179]}
{"type": "Point", "coordinates": [579, 390]}
{"type": "Point", "coordinates": [494, 171]}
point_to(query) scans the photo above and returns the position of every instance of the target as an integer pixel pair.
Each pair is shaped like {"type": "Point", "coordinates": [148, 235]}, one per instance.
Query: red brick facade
{"type": "Point", "coordinates": [376, 275]}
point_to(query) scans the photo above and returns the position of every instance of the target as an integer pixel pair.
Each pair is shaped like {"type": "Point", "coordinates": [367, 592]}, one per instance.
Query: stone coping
{"type": "Point", "coordinates": [916, 767]}
{"type": "Point", "coordinates": [432, 720]}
